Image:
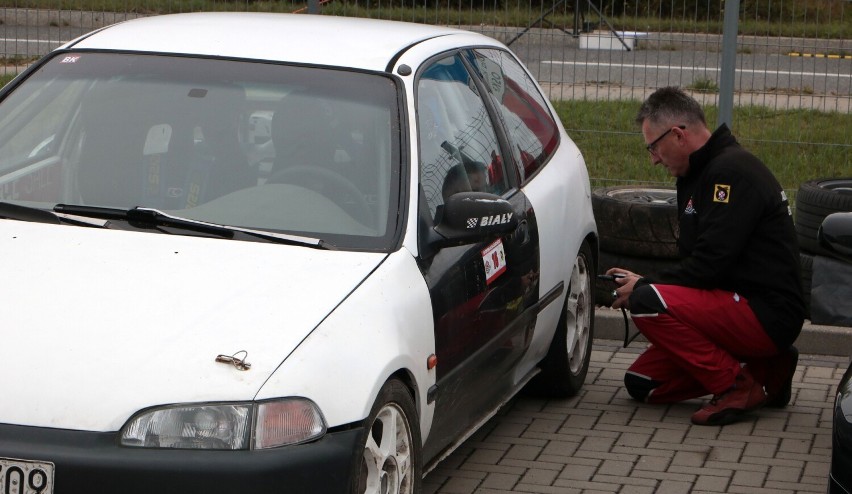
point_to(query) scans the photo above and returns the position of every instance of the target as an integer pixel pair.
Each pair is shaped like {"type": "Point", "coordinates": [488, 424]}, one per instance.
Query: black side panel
{"type": "Point", "coordinates": [483, 324]}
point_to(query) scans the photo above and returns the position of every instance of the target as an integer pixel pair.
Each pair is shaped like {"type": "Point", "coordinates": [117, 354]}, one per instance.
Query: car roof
{"type": "Point", "coordinates": [299, 38]}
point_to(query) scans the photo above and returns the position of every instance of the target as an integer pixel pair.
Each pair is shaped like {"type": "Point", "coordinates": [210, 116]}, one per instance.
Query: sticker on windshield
{"type": "Point", "coordinates": [70, 59]}
{"type": "Point", "coordinates": [157, 141]}
{"type": "Point", "coordinates": [494, 259]}
{"type": "Point", "coordinates": [493, 75]}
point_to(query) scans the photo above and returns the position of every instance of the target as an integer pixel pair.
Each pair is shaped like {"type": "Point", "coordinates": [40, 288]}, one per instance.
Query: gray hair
{"type": "Point", "coordinates": [670, 105]}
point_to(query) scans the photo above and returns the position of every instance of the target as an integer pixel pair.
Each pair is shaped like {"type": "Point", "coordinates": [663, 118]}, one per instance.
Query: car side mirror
{"type": "Point", "coordinates": [835, 234]}
{"type": "Point", "coordinates": [469, 217]}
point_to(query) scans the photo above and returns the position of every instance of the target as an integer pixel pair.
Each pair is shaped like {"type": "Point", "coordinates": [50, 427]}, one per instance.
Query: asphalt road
{"type": "Point", "coordinates": [659, 61]}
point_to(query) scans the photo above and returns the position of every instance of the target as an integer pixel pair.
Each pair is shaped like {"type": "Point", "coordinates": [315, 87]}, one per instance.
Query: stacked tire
{"type": "Point", "coordinates": [638, 230]}
{"type": "Point", "coordinates": [638, 227]}
{"type": "Point", "coordinates": [815, 200]}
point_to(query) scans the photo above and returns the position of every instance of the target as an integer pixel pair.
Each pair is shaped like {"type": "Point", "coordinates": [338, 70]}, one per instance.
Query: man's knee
{"type": "Point", "coordinates": [639, 386]}
{"type": "Point", "coordinates": [646, 300]}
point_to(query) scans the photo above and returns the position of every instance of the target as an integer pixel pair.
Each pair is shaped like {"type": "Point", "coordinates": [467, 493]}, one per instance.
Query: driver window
{"type": "Point", "coordinates": [459, 150]}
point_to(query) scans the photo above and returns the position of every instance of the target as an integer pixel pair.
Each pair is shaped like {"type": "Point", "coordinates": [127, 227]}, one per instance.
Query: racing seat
{"type": "Point", "coordinates": [215, 114]}
{"type": "Point", "coordinates": [117, 138]}
{"type": "Point", "coordinates": [169, 149]}
{"type": "Point", "coordinates": [316, 147]}
{"type": "Point", "coordinates": [302, 131]}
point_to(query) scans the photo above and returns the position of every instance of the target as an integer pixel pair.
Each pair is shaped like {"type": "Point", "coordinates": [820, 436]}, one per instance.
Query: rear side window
{"type": "Point", "coordinates": [532, 131]}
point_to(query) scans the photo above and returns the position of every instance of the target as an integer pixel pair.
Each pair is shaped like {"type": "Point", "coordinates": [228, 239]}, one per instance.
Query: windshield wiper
{"type": "Point", "coordinates": [26, 213]}
{"type": "Point", "coordinates": [153, 218]}
{"type": "Point", "coordinates": [37, 215]}
{"type": "Point", "coordinates": [144, 218]}
{"type": "Point", "coordinates": [283, 238]}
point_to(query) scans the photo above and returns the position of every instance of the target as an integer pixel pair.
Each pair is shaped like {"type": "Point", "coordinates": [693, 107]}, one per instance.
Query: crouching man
{"type": "Point", "coordinates": [724, 320]}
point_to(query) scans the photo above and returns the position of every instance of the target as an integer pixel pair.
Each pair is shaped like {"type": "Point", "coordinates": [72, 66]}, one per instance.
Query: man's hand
{"type": "Point", "coordinates": [625, 280]}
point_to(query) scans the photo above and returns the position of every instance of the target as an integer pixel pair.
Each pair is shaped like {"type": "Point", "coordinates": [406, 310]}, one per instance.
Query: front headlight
{"type": "Point", "coordinates": [262, 425]}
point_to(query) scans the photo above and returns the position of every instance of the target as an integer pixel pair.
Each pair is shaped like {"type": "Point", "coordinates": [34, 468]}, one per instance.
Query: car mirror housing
{"type": "Point", "coordinates": [468, 217]}
{"type": "Point", "coordinates": [835, 234]}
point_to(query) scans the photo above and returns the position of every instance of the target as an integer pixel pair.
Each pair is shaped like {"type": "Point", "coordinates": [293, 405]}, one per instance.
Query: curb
{"type": "Point", "coordinates": [814, 339]}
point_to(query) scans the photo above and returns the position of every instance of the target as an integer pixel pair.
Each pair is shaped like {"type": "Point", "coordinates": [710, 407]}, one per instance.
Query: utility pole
{"type": "Point", "coordinates": [729, 62]}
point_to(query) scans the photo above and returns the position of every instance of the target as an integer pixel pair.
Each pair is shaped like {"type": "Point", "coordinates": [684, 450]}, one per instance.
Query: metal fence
{"type": "Point", "coordinates": [777, 54]}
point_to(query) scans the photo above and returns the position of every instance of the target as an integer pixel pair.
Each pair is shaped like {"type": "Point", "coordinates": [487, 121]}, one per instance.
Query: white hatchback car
{"type": "Point", "coordinates": [279, 253]}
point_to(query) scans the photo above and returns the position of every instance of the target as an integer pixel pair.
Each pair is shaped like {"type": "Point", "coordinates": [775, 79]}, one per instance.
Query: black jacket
{"type": "Point", "coordinates": [737, 234]}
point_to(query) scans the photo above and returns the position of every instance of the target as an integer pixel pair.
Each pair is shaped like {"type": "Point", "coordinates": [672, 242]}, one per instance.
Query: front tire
{"type": "Point", "coordinates": [390, 460]}
{"type": "Point", "coordinates": [564, 369]}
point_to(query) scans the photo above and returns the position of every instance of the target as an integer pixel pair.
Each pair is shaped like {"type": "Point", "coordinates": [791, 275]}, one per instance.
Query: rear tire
{"type": "Point", "coordinates": [564, 369]}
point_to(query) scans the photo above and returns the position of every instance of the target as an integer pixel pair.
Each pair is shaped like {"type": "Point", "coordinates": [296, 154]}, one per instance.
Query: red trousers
{"type": "Point", "coordinates": [699, 339]}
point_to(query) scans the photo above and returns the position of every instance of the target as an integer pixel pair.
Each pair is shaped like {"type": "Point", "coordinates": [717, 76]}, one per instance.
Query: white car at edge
{"type": "Point", "coordinates": [279, 253]}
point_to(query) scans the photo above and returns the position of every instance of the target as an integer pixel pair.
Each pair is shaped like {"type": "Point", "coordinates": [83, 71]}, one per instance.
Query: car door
{"type": "Point", "coordinates": [482, 293]}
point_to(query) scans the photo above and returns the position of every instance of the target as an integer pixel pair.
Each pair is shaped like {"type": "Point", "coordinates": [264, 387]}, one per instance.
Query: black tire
{"type": "Point", "coordinates": [645, 266]}
{"type": "Point", "coordinates": [815, 200]}
{"type": "Point", "coordinates": [637, 221]}
{"type": "Point", "coordinates": [564, 369]}
{"type": "Point", "coordinates": [806, 263]}
{"type": "Point", "coordinates": [394, 403]}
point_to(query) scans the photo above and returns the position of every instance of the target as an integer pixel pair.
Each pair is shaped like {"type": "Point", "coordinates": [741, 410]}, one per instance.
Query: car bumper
{"type": "Point", "coordinates": [840, 473]}
{"type": "Point", "coordinates": [94, 462]}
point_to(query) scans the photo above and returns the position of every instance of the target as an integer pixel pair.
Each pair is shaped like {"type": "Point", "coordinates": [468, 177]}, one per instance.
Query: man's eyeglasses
{"type": "Point", "coordinates": [650, 147]}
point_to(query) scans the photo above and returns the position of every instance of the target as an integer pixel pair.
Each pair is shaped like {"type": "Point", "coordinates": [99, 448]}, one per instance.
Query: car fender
{"type": "Point", "coordinates": [384, 326]}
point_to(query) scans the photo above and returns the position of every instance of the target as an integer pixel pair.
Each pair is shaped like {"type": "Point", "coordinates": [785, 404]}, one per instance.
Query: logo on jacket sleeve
{"type": "Point", "coordinates": [690, 208]}
{"type": "Point", "coordinates": [722, 193]}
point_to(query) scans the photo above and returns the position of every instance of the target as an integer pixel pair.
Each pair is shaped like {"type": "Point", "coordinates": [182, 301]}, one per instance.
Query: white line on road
{"type": "Point", "coordinates": [680, 67]}
{"type": "Point", "coordinates": [46, 41]}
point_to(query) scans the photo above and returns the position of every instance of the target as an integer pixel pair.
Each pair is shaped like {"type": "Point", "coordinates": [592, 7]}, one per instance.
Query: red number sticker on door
{"type": "Point", "coordinates": [494, 259]}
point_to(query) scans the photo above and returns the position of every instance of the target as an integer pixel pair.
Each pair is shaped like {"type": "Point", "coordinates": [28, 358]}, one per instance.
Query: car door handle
{"type": "Point", "coordinates": [522, 233]}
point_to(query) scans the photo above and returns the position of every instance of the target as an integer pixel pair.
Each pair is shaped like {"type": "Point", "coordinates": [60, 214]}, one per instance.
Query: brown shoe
{"type": "Point", "coordinates": [779, 383]}
{"type": "Point", "coordinates": [746, 395]}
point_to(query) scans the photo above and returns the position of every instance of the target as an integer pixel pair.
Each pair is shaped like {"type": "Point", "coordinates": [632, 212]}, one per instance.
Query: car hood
{"type": "Point", "coordinates": [99, 324]}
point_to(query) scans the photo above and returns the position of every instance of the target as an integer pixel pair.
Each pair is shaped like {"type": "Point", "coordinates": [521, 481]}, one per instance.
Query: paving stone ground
{"type": "Point", "coordinates": [602, 441]}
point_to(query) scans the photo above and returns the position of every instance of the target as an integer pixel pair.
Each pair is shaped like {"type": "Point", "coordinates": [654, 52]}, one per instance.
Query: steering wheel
{"type": "Point", "coordinates": [330, 184]}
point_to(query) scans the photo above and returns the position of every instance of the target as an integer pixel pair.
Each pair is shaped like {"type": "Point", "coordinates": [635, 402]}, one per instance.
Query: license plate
{"type": "Point", "coordinates": [25, 476]}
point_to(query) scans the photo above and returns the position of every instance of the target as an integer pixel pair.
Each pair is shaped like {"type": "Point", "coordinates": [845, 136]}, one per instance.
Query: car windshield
{"type": "Point", "coordinates": [304, 150]}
